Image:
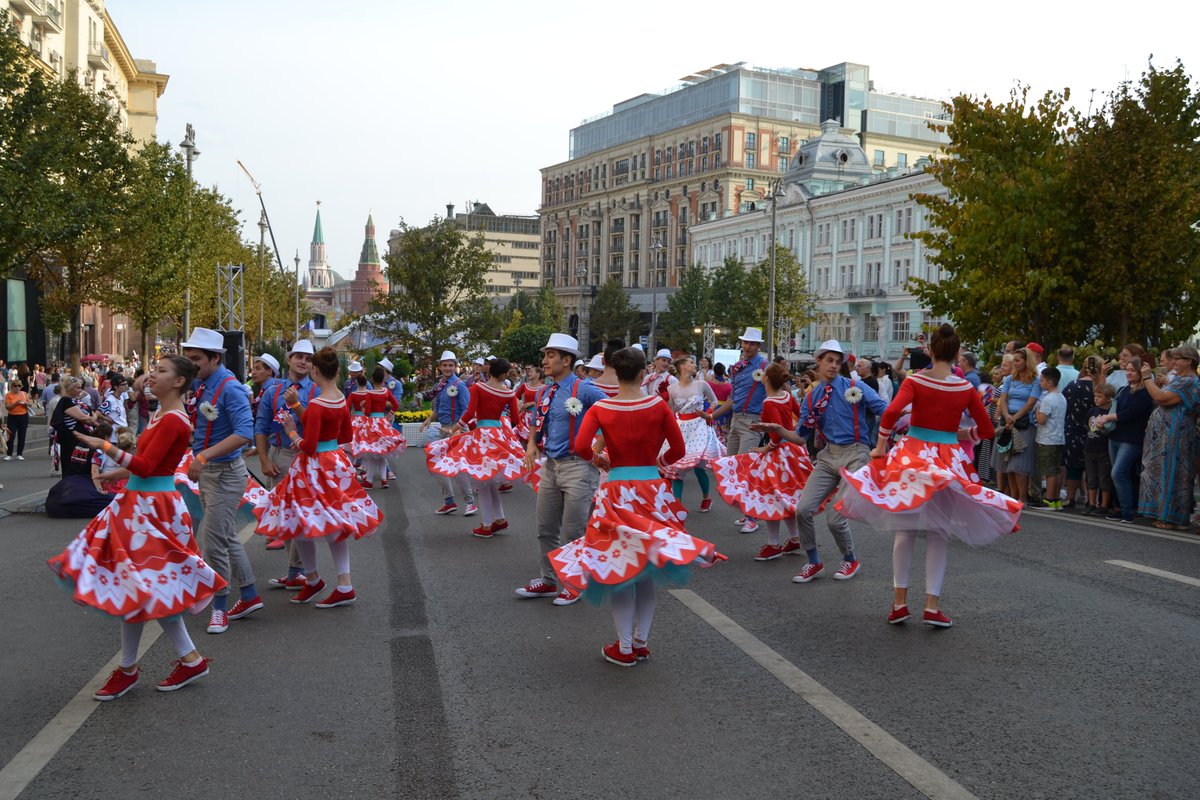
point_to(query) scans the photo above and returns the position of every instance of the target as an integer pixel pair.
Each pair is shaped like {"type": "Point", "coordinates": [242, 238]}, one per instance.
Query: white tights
{"type": "Point", "coordinates": [633, 611]}
{"type": "Point", "coordinates": [936, 554]}
{"type": "Point", "coordinates": [376, 468]}
{"type": "Point", "coordinates": [773, 530]}
{"type": "Point", "coordinates": [131, 638]}
{"type": "Point", "coordinates": [340, 551]}
{"type": "Point", "coordinates": [488, 495]}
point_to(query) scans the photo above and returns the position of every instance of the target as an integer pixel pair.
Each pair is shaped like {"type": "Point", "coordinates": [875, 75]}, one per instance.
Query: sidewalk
{"type": "Point", "coordinates": [27, 482]}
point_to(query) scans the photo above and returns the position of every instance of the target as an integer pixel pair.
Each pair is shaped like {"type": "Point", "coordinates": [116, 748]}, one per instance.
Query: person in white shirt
{"type": "Point", "coordinates": [1051, 426]}
{"type": "Point", "coordinates": [113, 406]}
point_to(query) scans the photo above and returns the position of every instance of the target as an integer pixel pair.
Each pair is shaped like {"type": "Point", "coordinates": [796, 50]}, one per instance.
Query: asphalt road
{"type": "Point", "coordinates": [1063, 677]}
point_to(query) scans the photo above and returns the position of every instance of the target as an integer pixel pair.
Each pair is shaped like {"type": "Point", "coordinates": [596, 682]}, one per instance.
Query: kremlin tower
{"type": "Point", "coordinates": [318, 287]}
{"type": "Point", "coordinates": [368, 280]}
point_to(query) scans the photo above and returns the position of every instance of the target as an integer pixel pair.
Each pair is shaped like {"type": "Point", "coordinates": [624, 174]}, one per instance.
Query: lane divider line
{"type": "Point", "coordinates": [1161, 573]}
{"type": "Point", "coordinates": [924, 776]}
{"type": "Point", "coordinates": [34, 756]}
{"type": "Point", "coordinates": [1116, 526]}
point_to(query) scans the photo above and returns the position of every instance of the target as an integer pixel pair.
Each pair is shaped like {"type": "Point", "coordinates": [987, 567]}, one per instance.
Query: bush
{"type": "Point", "coordinates": [524, 345]}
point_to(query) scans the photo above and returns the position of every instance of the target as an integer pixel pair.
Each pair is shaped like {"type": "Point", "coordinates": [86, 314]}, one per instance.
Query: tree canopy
{"type": "Point", "coordinates": [613, 314]}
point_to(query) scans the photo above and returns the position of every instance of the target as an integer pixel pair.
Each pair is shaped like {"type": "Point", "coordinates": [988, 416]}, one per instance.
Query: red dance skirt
{"type": "Point", "coordinates": [375, 436]}
{"type": "Point", "coordinates": [635, 531]}
{"type": "Point", "coordinates": [320, 496]}
{"type": "Point", "coordinates": [138, 560]}
{"type": "Point", "coordinates": [482, 454]}
{"type": "Point", "coordinates": [765, 486]}
{"type": "Point", "coordinates": [929, 487]}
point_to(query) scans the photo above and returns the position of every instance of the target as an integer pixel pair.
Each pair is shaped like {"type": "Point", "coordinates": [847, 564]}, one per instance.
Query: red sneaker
{"type": "Point", "coordinates": [276, 544]}
{"type": "Point", "coordinates": [291, 584]}
{"type": "Point", "coordinates": [499, 525]}
{"type": "Point", "coordinates": [244, 608]}
{"type": "Point", "coordinates": [641, 653]}
{"type": "Point", "coordinates": [566, 597]}
{"type": "Point", "coordinates": [769, 552]}
{"type": "Point", "coordinates": [705, 504]}
{"type": "Point", "coordinates": [537, 588]}
{"type": "Point", "coordinates": [898, 615]}
{"type": "Point", "coordinates": [482, 532]}
{"type": "Point", "coordinates": [809, 572]}
{"type": "Point", "coordinates": [117, 684]}
{"type": "Point", "coordinates": [505, 488]}
{"type": "Point", "coordinates": [937, 619]}
{"type": "Point", "coordinates": [218, 622]}
{"type": "Point", "coordinates": [308, 592]}
{"type": "Point", "coordinates": [613, 655]}
{"type": "Point", "coordinates": [366, 484]}
{"type": "Point", "coordinates": [383, 485]}
{"type": "Point", "coordinates": [847, 570]}
{"type": "Point", "coordinates": [338, 598]}
{"type": "Point", "coordinates": [182, 675]}
{"type": "Point", "coordinates": [792, 546]}
{"type": "Point", "coordinates": [447, 508]}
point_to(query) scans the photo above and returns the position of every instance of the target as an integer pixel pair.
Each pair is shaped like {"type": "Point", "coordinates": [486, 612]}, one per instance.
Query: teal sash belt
{"type": "Point", "coordinates": [937, 437]}
{"type": "Point", "coordinates": [327, 446]}
{"type": "Point", "coordinates": [634, 474]}
{"type": "Point", "coordinates": [378, 414]}
{"type": "Point", "coordinates": [158, 483]}
{"type": "Point", "coordinates": [489, 423]}
{"type": "Point", "coordinates": [356, 413]}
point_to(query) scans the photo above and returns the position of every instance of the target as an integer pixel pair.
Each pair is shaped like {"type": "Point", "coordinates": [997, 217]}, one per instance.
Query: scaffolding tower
{"type": "Point", "coordinates": [231, 297]}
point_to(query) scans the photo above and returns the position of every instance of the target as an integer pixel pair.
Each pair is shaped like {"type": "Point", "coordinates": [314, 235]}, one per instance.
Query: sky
{"type": "Point", "coordinates": [396, 108]}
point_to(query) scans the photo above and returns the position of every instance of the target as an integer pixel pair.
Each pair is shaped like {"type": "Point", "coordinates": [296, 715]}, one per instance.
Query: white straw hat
{"type": "Point", "coordinates": [446, 356]}
{"type": "Point", "coordinates": [563, 342]}
{"type": "Point", "coordinates": [302, 346]}
{"type": "Point", "coordinates": [830, 346]}
{"type": "Point", "coordinates": [596, 363]}
{"type": "Point", "coordinates": [205, 339]}
{"type": "Point", "coordinates": [270, 361]}
{"type": "Point", "coordinates": [752, 335]}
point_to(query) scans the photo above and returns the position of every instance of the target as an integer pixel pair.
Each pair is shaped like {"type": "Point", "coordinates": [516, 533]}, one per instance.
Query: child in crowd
{"type": "Point", "coordinates": [1051, 421]}
{"type": "Point", "coordinates": [1096, 460]}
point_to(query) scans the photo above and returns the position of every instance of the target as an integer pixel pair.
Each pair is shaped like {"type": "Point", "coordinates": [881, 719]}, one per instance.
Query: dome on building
{"type": "Point", "coordinates": [831, 158]}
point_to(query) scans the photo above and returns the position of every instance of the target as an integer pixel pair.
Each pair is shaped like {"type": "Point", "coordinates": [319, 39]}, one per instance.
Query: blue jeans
{"type": "Point", "coordinates": [1126, 464]}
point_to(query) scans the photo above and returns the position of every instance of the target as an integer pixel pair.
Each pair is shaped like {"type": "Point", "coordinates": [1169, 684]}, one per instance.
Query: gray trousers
{"type": "Point", "coordinates": [282, 458]}
{"type": "Point", "coordinates": [564, 503]}
{"type": "Point", "coordinates": [221, 487]}
{"type": "Point", "coordinates": [741, 439]}
{"type": "Point", "coordinates": [447, 485]}
{"type": "Point", "coordinates": [824, 481]}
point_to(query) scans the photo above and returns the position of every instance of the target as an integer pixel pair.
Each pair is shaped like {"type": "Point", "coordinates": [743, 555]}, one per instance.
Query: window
{"type": "Point", "coordinates": [783, 163]}
{"type": "Point", "coordinates": [874, 275]}
{"type": "Point", "coordinates": [658, 173]}
{"type": "Point", "coordinates": [704, 163]}
{"type": "Point", "coordinates": [870, 327]}
{"type": "Point", "coordinates": [899, 326]}
{"type": "Point", "coordinates": [908, 220]}
{"type": "Point", "coordinates": [784, 145]}
{"type": "Point", "coordinates": [717, 145]}
{"type": "Point", "coordinates": [749, 183]}
{"type": "Point", "coordinates": [847, 270]}
{"type": "Point", "coordinates": [879, 162]}
{"type": "Point", "coordinates": [668, 171]}
{"type": "Point", "coordinates": [751, 141]}
{"type": "Point", "coordinates": [750, 159]}
{"type": "Point", "coordinates": [849, 230]}
{"type": "Point", "coordinates": [901, 159]}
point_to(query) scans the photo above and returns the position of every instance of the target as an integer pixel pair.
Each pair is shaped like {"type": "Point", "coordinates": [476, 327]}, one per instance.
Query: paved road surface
{"type": "Point", "coordinates": [1064, 676]}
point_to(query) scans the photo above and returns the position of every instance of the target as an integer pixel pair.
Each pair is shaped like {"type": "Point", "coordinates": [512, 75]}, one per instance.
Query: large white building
{"type": "Point", "coordinates": [849, 225]}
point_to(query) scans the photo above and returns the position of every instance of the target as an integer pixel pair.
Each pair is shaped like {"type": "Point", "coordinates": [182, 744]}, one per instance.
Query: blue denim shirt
{"type": "Point", "coordinates": [559, 425]}
{"type": "Point", "coordinates": [273, 400]}
{"type": "Point", "coordinates": [748, 394]}
{"type": "Point", "coordinates": [233, 412]}
{"type": "Point", "coordinates": [447, 409]}
{"type": "Point", "coordinates": [837, 422]}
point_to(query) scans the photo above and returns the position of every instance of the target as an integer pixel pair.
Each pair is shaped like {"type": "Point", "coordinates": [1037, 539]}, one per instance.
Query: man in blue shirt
{"type": "Point", "coordinates": [450, 398]}
{"type": "Point", "coordinates": [396, 387]}
{"type": "Point", "coordinates": [567, 482]}
{"type": "Point", "coordinates": [223, 426]}
{"type": "Point", "coordinates": [837, 407]}
{"type": "Point", "coordinates": [746, 403]}
{"type": "Point", "coordinates": [275, 450]}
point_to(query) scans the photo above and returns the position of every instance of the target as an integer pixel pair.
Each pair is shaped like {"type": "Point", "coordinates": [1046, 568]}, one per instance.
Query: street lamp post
{"type": "Point", "coordinates": [262, 273]}
{"type": "Point", "coordinates": [191, 153]}
{"type": "Point", "coordinates": [657, 247]}
{"type": "Point", "coordinates": [776, 195]}
{"type": "Point", "coordinates": [580, 275]}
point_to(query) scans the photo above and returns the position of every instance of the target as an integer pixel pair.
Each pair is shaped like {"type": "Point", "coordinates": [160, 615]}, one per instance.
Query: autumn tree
{"type": "Point", "coordinates": [548, 310]}
{"type": "Point", "coordinates": [1006, 235]}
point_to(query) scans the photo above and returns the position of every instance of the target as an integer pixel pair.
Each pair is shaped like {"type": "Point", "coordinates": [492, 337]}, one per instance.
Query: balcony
{"type": "Point", "coordinates": [28, 6]}
{"type": "Point", "coordinates": [98, 55]}
{"type": "Point", "coordinates": [864, 290]}
{"type": "Point", "coordinates": [50, 17]}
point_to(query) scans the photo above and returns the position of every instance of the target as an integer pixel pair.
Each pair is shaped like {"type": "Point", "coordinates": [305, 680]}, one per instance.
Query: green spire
{"type": "Point", "coordinates": [318, 234]}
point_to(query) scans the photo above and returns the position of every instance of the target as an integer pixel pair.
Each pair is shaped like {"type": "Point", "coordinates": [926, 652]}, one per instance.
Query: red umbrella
{"type": "Point", "coordinates": [94, 357]}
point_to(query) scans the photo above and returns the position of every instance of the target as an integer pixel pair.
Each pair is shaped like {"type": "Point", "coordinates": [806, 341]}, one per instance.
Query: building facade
{"type": "Point", "coordinates": [851, 228]}
{"type": "Point", "coordinates": [638, 178]}
{"type": "Point", "coordinates": [79, 37]}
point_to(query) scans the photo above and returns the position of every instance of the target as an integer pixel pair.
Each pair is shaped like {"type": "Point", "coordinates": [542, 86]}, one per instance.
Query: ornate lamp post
{"type": "Point", "coordinates": [657, 247]}
{"type": "Point", "coordinates": [190, 154]}
{"type": "Point", "coordinates": [776, 194]}
{"type": "Point", "coordinates": [297, 259]}
{"type": "Point", "coordinates": [581, 274]}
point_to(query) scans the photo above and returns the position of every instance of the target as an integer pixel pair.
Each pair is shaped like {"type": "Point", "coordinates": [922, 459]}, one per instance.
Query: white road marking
{"type": "Point", "coordinates": [1101, 522]}
{"type": "Point", "coordinates": [925, 777]}
{"type": "Point", "coordinates": [34, 756]}
{"type": "Point", "coordinates": [1162, 573]}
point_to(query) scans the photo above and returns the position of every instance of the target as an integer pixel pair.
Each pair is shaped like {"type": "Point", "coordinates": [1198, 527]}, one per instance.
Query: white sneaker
{"type": "Point", "coordinates": [471, 511]}
{"type": "Point", "coordinates": [750, 527]}
{"type": "Point", "coordinates": [8, 458]}
{"type": "Point", "coordinates": [20, 458]}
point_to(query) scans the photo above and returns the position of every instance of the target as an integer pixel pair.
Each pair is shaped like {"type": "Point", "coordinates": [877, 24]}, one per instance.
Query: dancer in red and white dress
{"type": "Point", "coordinates": [926, 483]}
{"type": "Point", "coordinates": [320, 498]}
{"type": "Point", "coordinates": [693, 400]}
{"type": "Point", "coordinates": [766, 482]}
{"type": "Point", "coordinates": [137, 559]}
{"type": "Point", "coordinates": [635, 534]}
{"type": "Point", "coordinates": [490, 453]}
{"type": "Point", "coordinates": [528, 394]}
{"type": "Point", "coordinates": [377, 438]}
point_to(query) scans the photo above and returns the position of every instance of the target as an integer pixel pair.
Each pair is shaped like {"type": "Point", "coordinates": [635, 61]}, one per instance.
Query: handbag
{"type": "Point", "coordinates": [1004, 441]}
{"type": "Point", "coordinates": [1022, 423]}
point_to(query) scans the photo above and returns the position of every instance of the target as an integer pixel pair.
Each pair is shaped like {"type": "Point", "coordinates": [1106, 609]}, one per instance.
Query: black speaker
{"type": "Point", "coordinates": [235, 353]}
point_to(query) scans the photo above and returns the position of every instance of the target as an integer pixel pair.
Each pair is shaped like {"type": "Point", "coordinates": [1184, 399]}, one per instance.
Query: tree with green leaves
{"type": "Point", "coordinates": [439, 273]}
{"type": "Point", "coordinates": [548, 310]}
{"type": "Point", "coordinates": [524, 345]}
{"type": "Point", "coordinates": [792, 298]}
{"type": "Point", "coordinates": [612, 314]}
{"type": "Point", "coordinates": [1007, 234]}
{"type": "Point", "coordinates": [1136, 168]}
{"type": "Point", "coordinates": [687, 308]}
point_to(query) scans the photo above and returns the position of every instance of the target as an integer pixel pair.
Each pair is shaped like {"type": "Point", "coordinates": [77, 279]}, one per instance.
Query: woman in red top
{"type": "Point", "coordinates": [375, 439]}
{"type": "Point", "coordinates": [490, 452]}
{"type": "Point", "coordinates": [320, 497]}
{"type": "Point", "coordinates": [528, 394]}
{"type": "Point", "coordinates": [766, 483]}
{"type": "Point", "coordinates": [137, 559]}
{"type": "Point", "coordinates": [927, 483]}
{"type": "Point", "coordinates": [635, 534]}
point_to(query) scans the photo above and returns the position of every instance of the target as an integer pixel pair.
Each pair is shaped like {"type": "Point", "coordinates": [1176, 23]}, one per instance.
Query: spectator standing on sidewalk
{"type": "Point", "coordinates": [17, 403]}
{"type": "Point", "coordinates": [1170, 444]}
{"type": "Point", "coordinates": [1051, 418]}
{"type": "Point", "coordinates": [1131, 412]}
